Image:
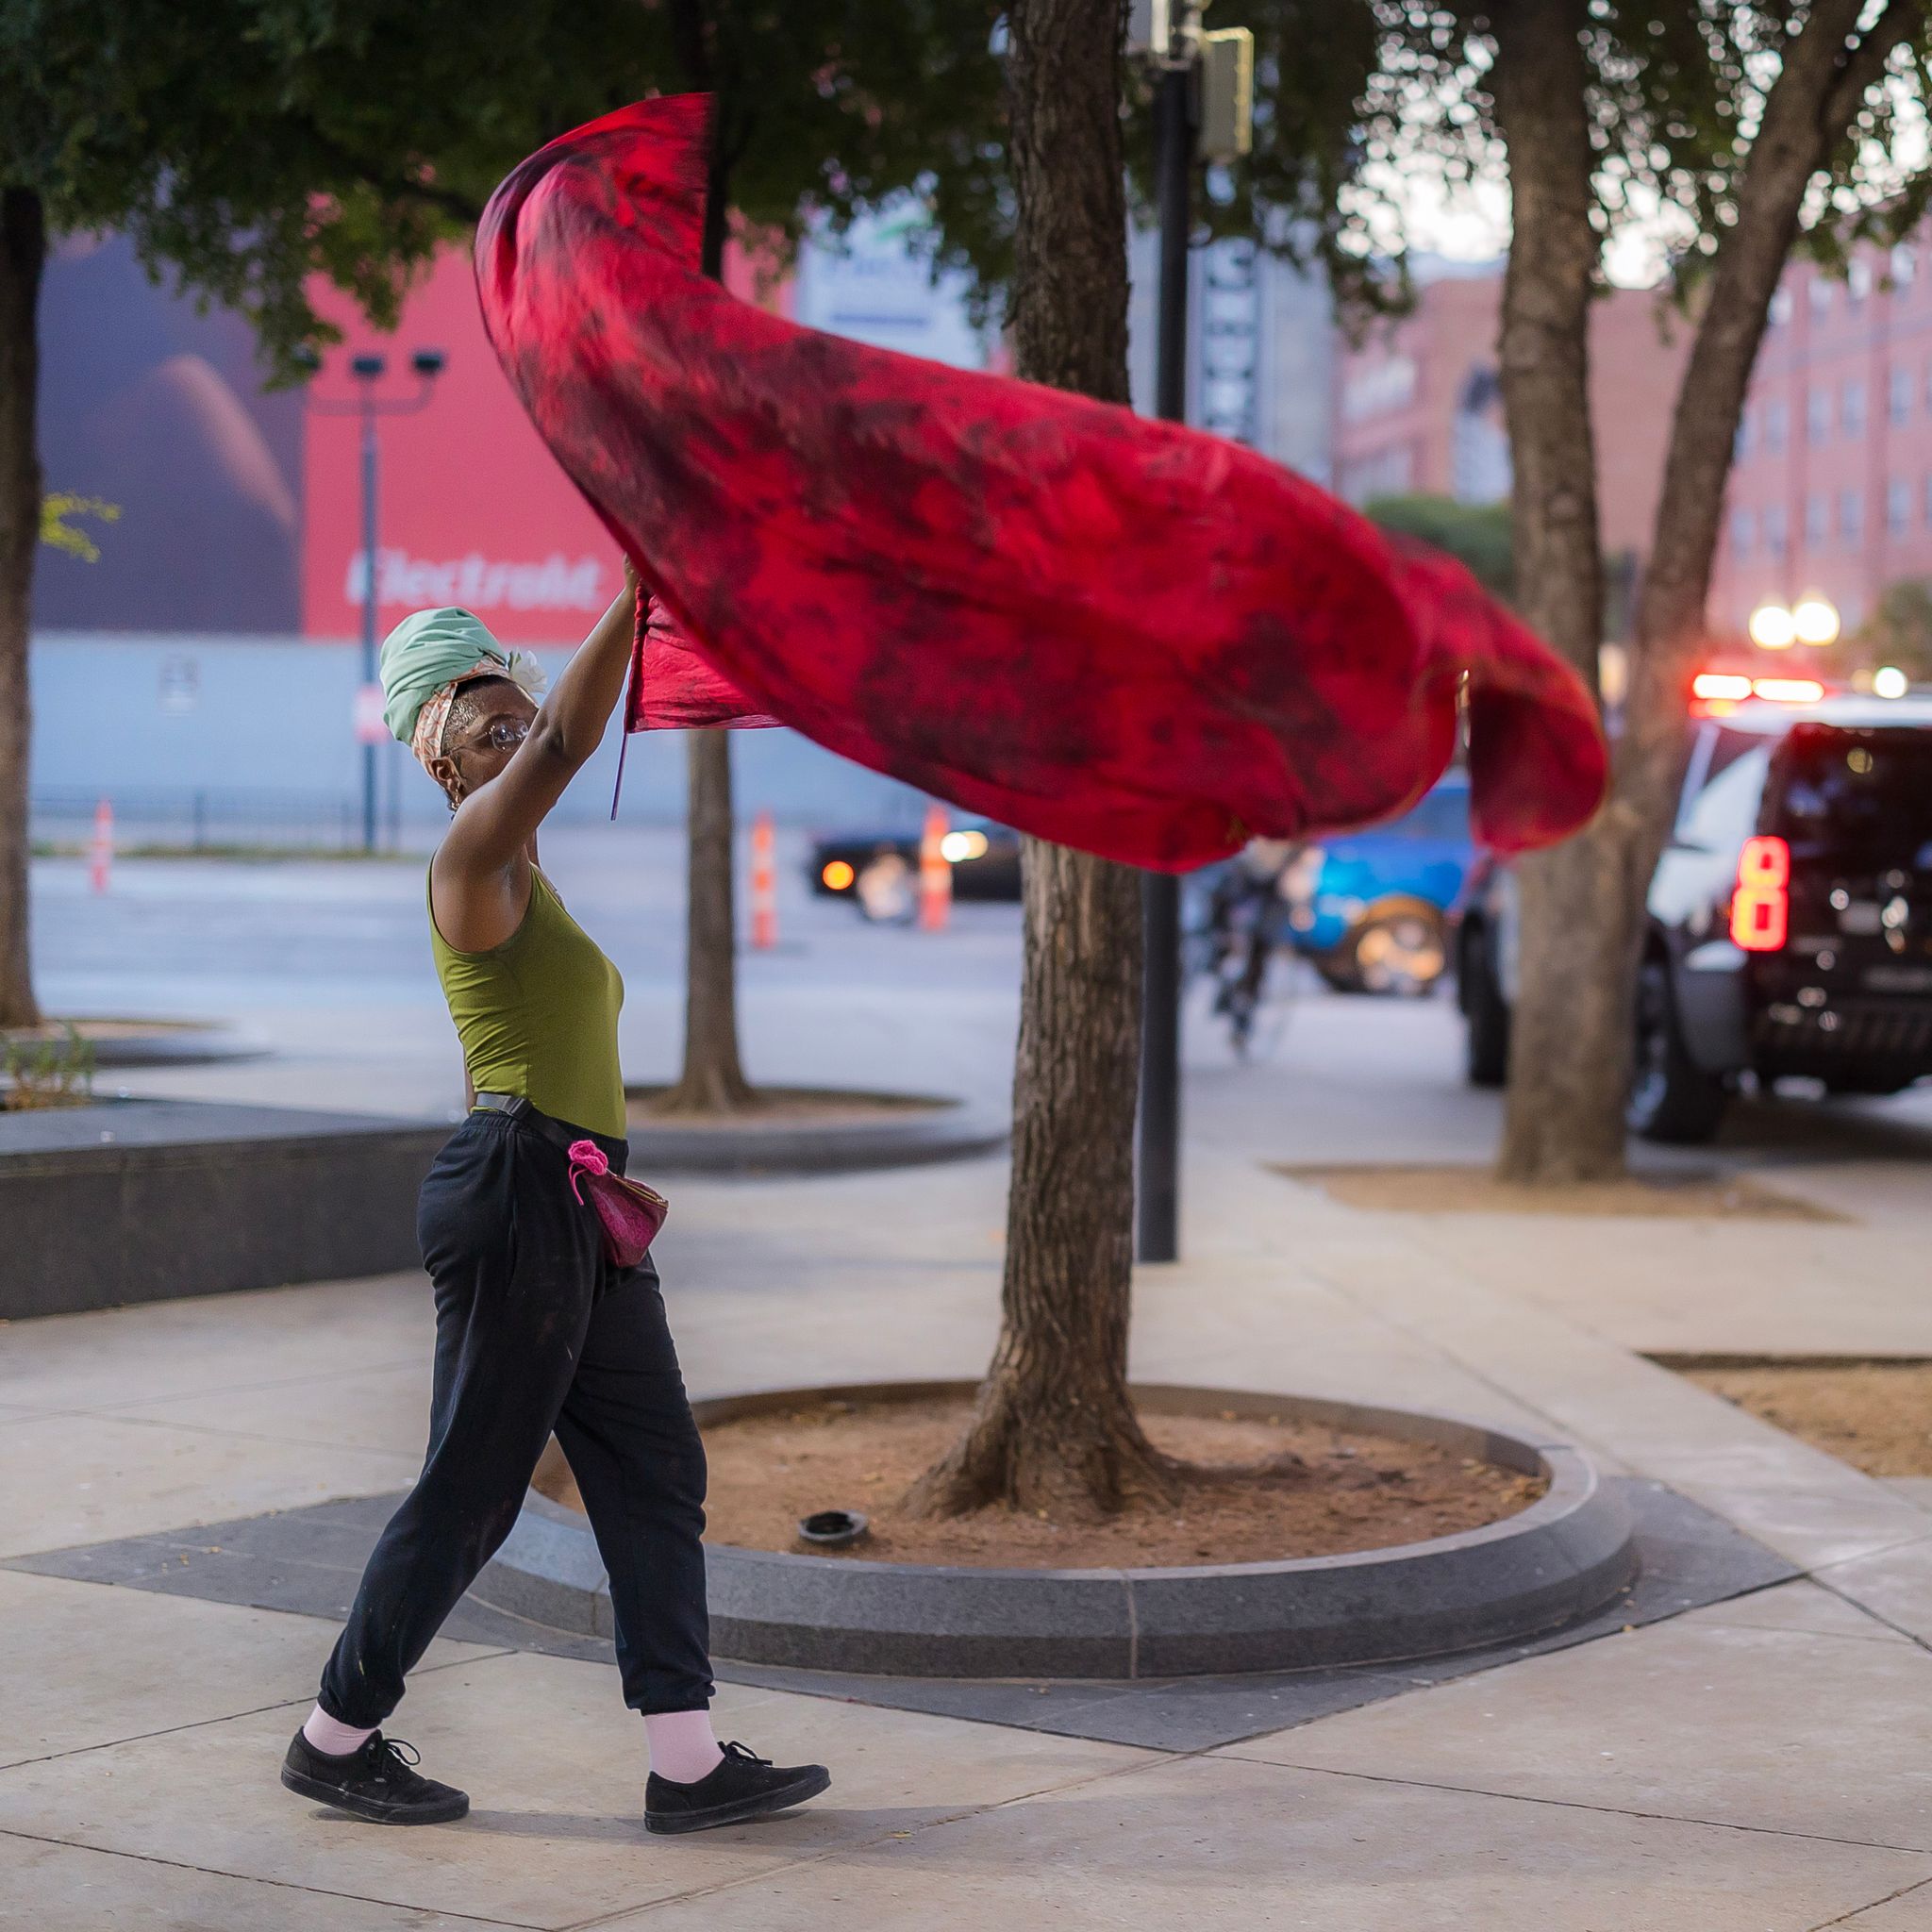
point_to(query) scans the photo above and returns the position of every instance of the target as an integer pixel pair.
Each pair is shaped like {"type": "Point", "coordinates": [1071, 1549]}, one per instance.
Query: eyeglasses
{"type": "Point", "coordinates": [504, 734]}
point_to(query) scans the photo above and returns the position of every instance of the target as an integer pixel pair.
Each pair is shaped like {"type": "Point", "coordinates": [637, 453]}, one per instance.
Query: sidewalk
{"type": "Point", "coordinates": [1763, 1764]}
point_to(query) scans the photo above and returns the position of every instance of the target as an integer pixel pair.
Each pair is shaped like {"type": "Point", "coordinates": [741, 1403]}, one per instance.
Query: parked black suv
{"type": "Point", "coordinates": [1789, 918]}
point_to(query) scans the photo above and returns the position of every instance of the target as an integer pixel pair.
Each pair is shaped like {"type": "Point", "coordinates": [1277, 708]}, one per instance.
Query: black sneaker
{"type": "Point", "coordinates": [375, 1782]}
{"type": "Point", "coordinates": [743, 1787]}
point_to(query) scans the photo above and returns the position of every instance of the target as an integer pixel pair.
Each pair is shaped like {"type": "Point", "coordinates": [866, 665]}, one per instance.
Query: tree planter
{"type": "Point", "coordinates": [1550, 1564]}
{"type": "Point", "coordinates": [813, 1130]}
{"type": "Point", "coordinates": [136, 1201]}
{"type": "Point", "coordinates": [124, 1043]}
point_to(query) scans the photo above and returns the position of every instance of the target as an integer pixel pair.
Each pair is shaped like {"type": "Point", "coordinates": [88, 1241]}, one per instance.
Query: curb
{"type": "Point", "coordinates": [927, 1128]}
{"type": "Point", "coordinates": [1551, 1564]}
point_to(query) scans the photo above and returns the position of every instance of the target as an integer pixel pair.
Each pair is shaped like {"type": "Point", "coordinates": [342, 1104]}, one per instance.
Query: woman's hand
{"type": "Point", "coordinates": [494, 827]}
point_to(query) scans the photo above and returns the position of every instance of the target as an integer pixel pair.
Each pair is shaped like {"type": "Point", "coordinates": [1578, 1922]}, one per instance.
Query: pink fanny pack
{"type": "Point", "coordinates": [629, 1212]}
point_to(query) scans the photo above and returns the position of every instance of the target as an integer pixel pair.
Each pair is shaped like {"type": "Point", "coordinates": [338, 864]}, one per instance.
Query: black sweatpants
{"type": "Point", "coordinates": [536, 1331]}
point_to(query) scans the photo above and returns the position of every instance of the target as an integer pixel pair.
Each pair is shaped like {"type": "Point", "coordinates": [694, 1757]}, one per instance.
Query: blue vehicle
{"type": "Point", "coordinates": [1369, 909]}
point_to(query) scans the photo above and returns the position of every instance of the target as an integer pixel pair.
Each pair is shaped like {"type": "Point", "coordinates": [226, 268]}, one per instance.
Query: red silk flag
{"type": "Point", "coordinates": [1119, 634]}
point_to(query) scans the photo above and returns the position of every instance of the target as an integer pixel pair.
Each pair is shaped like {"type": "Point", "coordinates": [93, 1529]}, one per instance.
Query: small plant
{"type": "Point", "coordinates": [56, 1073]}
{"type": "Point", "coordinates": [56, 532]}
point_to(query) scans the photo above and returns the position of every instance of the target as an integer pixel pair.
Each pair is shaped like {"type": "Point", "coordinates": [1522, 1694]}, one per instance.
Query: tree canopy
{"type": "Point", "coordinates": [1475, 534]}
{"type": "Point", "coordinates": [248, 144]}
{"type": "Point", "coordinates": [1898, 632]}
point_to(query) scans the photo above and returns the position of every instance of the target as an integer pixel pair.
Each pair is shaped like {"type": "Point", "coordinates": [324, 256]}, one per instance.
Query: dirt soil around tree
{"type": "Point", "coordinates": [783, 1107]}
{"type": "Point", "coordinates": [1357, 1492]}
{"type": "Point", "coordinates": [1877, 1416]}
{"type": "Point", "coordinates": [1464, 1190]}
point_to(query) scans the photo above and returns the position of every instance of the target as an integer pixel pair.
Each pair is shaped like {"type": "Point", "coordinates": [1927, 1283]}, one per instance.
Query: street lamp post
{"type": "Point", "coordinates": [1158, 1204]}
{"type": "Point", "coordinates": [368, 370]}
{"type": "Point", "coordinates": [1200, 79]}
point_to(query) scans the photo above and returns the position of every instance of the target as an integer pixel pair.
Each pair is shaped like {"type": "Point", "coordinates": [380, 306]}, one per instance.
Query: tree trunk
{"type": "Point", "coordinates": [1569, 1047]}
{"type": "Point", "coordinates": [714, 1079]}
{"type": "Point", "coordinates": [1583, 903]}
{"type": "Point", "coordinates": [23, 251]}
{"type": "Point", "coordinates": [1818, 91]}
{"type": "Point", "coordinates": [1052, 1428]}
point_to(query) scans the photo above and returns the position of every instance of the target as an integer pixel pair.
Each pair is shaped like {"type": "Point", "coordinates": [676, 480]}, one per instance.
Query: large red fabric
{"type": "Point", "coordinates": [1119, 634]}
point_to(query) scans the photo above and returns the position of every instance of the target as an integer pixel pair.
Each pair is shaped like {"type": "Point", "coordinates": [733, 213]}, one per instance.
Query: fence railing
{"type": "Point", "coordinates": [206, 819]}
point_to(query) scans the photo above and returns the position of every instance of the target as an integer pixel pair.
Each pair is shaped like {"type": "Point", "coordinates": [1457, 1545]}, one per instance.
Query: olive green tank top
{"type": "Point", "coordinates": [537, 1014]}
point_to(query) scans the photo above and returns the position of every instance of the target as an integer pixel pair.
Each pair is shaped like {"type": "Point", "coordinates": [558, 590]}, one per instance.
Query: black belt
{"type": "Point", "coordinates": [518, 1108]}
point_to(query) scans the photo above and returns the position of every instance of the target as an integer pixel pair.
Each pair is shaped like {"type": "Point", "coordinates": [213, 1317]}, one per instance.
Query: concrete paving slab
{"type": "Point", "coordinates": [1800, 1501]}
{"type": "Point", "coordinates": [68, 1479]}
{"type": "Point", "coordinates": [1906, 1912]}
{"type": "Point", "coordinates": [554, 1766]}
{"type": "Point", "coordinates": [1914, 1488]}
{"type": "Point", "coordinates": [88, 1666]}
{"type": "Point", "coordinates": [1222, 1846]}
{"type": "Point", "coordinates": [381, 1408]}
{"type": "Point", "coordinates": [1790, 1287]}
{"type": "Point", "coordinates": [1798, 1605]}
{"type": "Point", "coordinates": [1765, 1730]}
{"type": "Point", "coordinates": [1896, 1585]}
{"type": "Point", "coordinates": [1826, 1522]}
{"type": "Point", "coordinates": [53, 1888]}
{"type": "Point", "coordinates": [292, 1338]}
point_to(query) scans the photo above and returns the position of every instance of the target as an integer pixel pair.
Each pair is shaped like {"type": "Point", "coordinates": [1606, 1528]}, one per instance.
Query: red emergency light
{"type": "Point", "coordinates": [1762, 905]}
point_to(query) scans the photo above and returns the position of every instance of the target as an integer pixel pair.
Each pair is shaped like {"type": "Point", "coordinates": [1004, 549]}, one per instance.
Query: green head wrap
{"type": "Point", "coordinates": [429, 654]}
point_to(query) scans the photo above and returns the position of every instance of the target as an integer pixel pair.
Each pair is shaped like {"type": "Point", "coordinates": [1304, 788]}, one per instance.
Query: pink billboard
{"type": "Point", "coordinates": [472, 509]}
{"type": "Point", "coordinates": [240, 510]}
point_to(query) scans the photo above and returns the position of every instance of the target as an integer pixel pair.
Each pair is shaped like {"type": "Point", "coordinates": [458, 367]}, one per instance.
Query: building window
{"type": "Point", "coordinates": [1926, 511]}
{"type": "Point", "coordinates": [1904, 263]}
{"type": "Point", "coordinates": [1387, 472]}
{"type": "Point", "coordinates": [1859, 281]}
{"type": "Point", "coordinates": [1898, 505]}
{"type": "Point", "coordinates": [1899, 394]}
{"type": "Point", "coordinates": [1851, 515]}
{"type": "Point", "coordinates": [1744, 527]}
{"type": "Point", "coordinates": [1740, 444]}
{"type": "Point", "coordinates": [1774, 528]}
{"type": "Point", "coordinates": [1820, 295]}
{"type": "Point", "coordinates": [1851, 408]}
{"type": "Point", "coordinates": [1816, 521]}
{"type": "Point", "coordinates": [1818, 413]}
{"type": "Point", "coordinates": [1780, 307]}
{"type": "Point", "coordinates": [1777, 426]}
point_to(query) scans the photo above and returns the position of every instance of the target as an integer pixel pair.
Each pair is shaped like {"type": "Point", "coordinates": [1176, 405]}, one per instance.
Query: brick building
{"type": "Point", "coordinates": [1831, 490]}
{"type": "Point", "coordinates": [1419, 405]}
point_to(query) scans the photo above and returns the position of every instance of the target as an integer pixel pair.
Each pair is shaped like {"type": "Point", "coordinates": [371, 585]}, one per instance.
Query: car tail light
{"type": "Point", "coordinates": [1760, 907]}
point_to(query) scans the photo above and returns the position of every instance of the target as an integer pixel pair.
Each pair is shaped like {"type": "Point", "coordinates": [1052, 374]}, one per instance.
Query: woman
{"type": "Point", "coordinates": [536, 1330]}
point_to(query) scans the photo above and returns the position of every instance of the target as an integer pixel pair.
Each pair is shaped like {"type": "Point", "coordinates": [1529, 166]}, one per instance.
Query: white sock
{"type": "Point", "coordinates": [331, 1737]}
{"type": "Point", "coordinates": [683, 1746]}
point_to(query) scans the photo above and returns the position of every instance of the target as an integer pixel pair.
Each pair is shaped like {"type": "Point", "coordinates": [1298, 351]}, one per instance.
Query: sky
{"type": "Point", "coordinates": [1469, 221]}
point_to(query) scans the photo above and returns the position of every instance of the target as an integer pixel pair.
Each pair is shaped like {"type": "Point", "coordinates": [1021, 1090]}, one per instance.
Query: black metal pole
{"type": "Point", "coordinates": [1159, 1201]}
{"type": "Point", "coordinates": [368, 670]}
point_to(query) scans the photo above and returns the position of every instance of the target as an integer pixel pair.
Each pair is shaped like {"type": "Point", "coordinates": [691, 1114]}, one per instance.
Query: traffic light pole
{"type": "Point", "coordinates": [1159, 1199]}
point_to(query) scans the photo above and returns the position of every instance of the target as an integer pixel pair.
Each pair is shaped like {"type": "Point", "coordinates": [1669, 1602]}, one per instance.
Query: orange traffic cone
{"type": "Point", "coordinates": [101, 853]}
{"type": "Point", "coordinates": [935, 873]}
{"type": "Point", "coordinates": [764, 885]}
